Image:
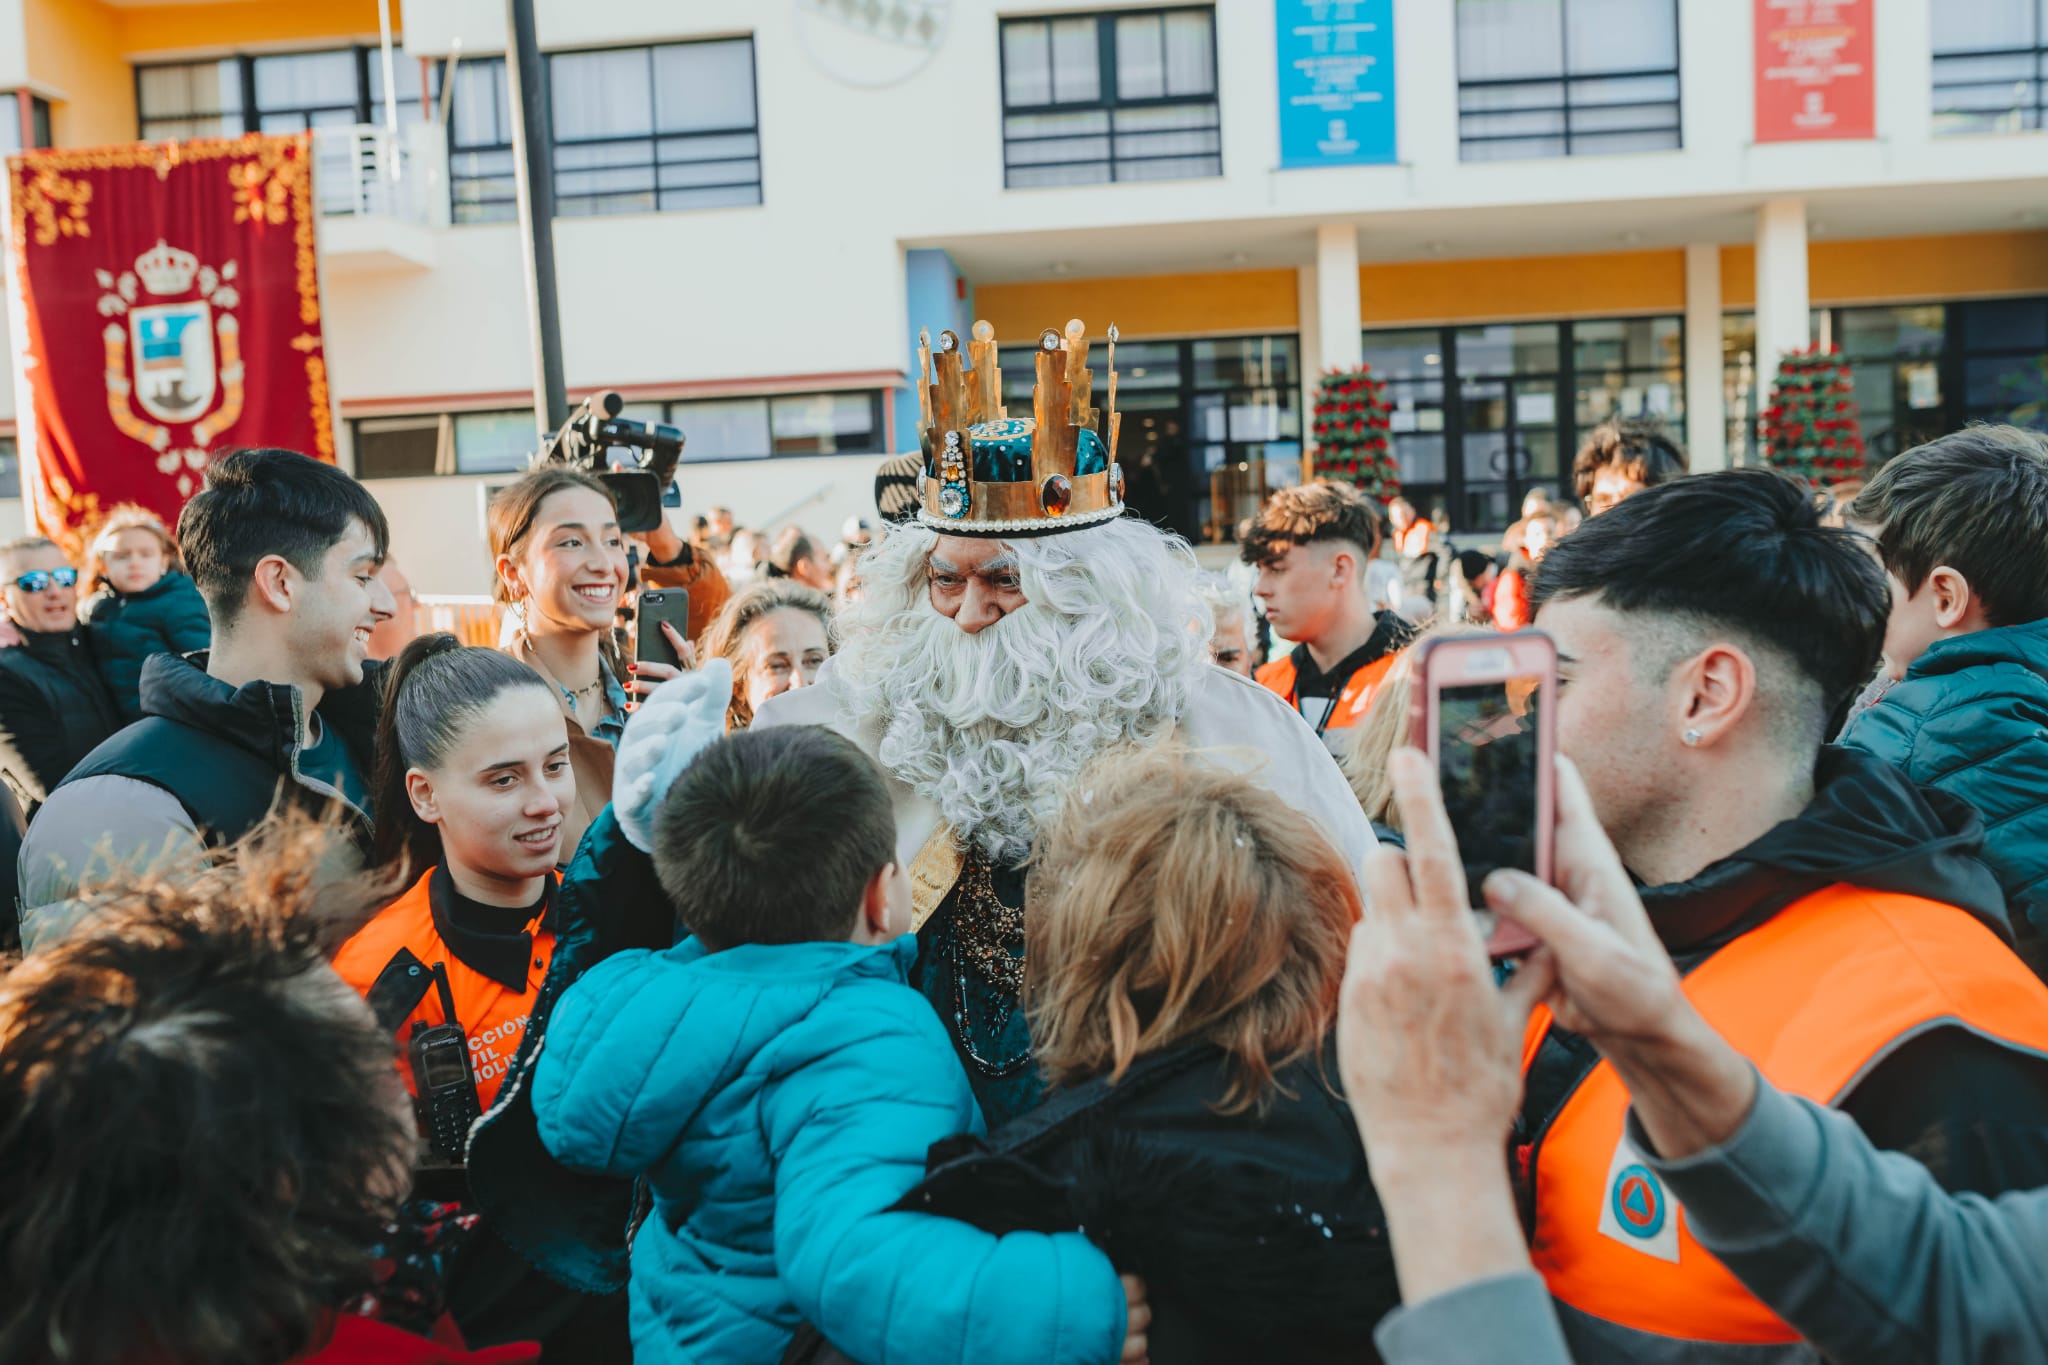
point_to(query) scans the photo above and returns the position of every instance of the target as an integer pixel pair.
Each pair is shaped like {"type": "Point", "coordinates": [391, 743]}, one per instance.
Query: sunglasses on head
{"type": "Point", "coordinates": [35, 580]}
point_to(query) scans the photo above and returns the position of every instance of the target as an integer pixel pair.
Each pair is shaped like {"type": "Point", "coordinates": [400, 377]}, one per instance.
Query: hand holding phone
{"type": "Point", "coordinates": [658, 607]}
{"type": "Point", "coordinates": [1484, 710]}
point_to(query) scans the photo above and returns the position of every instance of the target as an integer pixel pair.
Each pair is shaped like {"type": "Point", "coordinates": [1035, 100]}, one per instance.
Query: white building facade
{"type": "Point", "coordinates": [759, 202]}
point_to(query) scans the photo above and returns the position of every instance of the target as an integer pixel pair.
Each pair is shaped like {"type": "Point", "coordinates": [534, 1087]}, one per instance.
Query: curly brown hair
{"type": "Point", "coordinates": [199, 1130]}
{"type": "Point", "coordinates": [1172, 902]}
{"type": "Point", "coordinates": [1639, 447]}
{"type": "Point", "coordinates": [126, 516]}
{"type": "Point", "coordinates": [1309, 513]}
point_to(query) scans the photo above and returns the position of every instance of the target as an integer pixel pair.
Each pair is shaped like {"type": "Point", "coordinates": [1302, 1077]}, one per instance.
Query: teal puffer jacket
{"type": "Point", "coordinates": [779, 1099]}
{"type": "Point", "coordinates": [1971, 718]}
{"type": "Point", "coordinates": [167, 617]}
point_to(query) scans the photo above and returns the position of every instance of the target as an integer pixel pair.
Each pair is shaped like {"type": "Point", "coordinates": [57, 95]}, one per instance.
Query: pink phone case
{"type": "Point", "coordinates": [1461, 660]}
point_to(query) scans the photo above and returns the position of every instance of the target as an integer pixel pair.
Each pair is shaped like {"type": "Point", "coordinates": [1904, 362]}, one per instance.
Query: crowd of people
{"type": "Point", "coordinates": [993, 938]}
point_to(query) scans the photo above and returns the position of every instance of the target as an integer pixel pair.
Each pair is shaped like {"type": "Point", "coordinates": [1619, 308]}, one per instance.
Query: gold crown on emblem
{"type": "Point", "coordinates": [163, 269]}
{"type": "Point", "coordinates": [987, 473]}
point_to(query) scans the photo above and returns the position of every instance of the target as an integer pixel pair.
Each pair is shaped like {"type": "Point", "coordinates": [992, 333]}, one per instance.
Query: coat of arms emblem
{"type": "Point", "coordinates": [174, 373]}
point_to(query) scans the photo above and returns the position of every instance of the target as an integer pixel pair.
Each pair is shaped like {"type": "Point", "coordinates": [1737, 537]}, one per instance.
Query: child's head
{"type": "Point", "coordinates": [204, 1134]}
{"type": "Point", "coordinates": [1176, 902]}
{"type": "Point", "coordinates": [131, 550]}
{"type": "Point", "coordinates": [1962, 526]}
{"type": "Point", "coordinates": [784, 835]}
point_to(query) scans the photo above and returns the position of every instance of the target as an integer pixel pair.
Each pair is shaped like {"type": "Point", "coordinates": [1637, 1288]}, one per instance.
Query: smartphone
{"type": "Point", "coordinates": [1484, 708]}
{"type": "Point", "coordinates": [656, 607]}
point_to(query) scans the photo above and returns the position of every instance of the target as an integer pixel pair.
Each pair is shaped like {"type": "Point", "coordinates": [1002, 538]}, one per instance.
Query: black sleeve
{"type": "Point", "coordinates": [32, 748]}
{"type": "Point", "coordinates": [1974, 1112]}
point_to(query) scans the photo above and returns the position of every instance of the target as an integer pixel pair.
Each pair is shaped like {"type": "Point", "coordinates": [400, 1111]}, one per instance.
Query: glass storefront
{"type": "Point", "coordinates": [1918, 370]}
{"type": "Point", "coordinates": [1520, 396]}
{"type": "Point", "coordinates": [1210, 427]}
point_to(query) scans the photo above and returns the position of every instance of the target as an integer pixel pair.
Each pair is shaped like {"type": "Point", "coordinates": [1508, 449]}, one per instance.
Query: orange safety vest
{"type": "Point", "coordinates": [1815, 998]}
{"type": "Point", "coordinates": [1353, 702]}
{"type": "Point", "coordinates": [493, 1016]}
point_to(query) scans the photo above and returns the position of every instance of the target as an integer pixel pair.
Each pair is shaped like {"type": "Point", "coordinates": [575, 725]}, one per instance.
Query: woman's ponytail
{"type": "Point", "coordinates": [400, 833]}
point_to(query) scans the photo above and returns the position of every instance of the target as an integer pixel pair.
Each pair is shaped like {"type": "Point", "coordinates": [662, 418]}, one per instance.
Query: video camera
{"type": "Point", "coordinates": [596, 428]}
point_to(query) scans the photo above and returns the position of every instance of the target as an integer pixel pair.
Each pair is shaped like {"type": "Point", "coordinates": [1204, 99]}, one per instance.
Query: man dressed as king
{"type": "Point", "coordinates": [1018, 627]}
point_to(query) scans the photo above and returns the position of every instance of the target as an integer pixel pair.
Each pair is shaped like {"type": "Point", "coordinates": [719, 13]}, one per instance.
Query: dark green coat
{"type": "Point", "coordinates": [1971, 718]}
{"type": "Point", "coordinates": [168, 617]}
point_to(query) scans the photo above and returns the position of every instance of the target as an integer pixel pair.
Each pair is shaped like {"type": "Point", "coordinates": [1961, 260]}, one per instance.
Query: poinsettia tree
{"type": "Point", "coordinates": [1810, 429]}
{"type": "Point", "coordinates": [1350, 430]}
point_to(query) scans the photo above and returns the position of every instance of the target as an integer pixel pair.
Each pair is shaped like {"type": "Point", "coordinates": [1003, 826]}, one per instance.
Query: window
{"type": "Point", "coordinates": [1540, 78]}
{"type": "Point", "coordinates": [1210, 427]}
{"type": "Point", "coordinates": [1917, 371]}
{"type": "Point", "coordinates": [399, 447]}
{"type": "Point", "coordinates": [10, 122]}
{"type": "Point", "coordinates": [645, 128]}
{"type": "Point", "coordinates": [342, 88]}
{"type": "Point", "coordinates": [495, 442]}
{"type": "Point", "coordinates": [480, 170]}
{"type": "Point", "coordinates": [1989, 65]}
{"type": "Point", "coordinates": [846, 423]}
{"type": "Point", "coordinates": [10, 467]}
{"type": "Point", "coordinates": [1094, 98]}
{"type": "Point", "coordinates": [1483, 415]}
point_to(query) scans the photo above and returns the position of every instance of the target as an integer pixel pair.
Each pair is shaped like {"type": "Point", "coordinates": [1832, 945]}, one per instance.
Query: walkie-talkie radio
{"type": "Point", "coordinates": [444, 1088]}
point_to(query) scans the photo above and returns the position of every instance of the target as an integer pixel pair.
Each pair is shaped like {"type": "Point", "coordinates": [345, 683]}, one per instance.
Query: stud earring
{"type": "Point", "coordinates": [1691, 738]}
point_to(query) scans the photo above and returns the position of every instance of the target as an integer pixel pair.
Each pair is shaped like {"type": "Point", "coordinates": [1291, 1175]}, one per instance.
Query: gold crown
{"type": "Point", "coordinates": [166, 270]}
{"type": "Point", "coordinates": [987, 473]}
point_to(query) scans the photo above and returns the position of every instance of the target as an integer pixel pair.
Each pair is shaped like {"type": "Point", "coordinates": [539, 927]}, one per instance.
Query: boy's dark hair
{"type": "Point", "coordinates": [1741, 550]}
{"type": "Point", "coordinates": [1640, 448]}
{"type": "Point", "coordinates": [1975, 501]}
{"type": "Point", "coordinates": [771, 836]}
{"type": "Point", "coordinates": [1308, 513]}
{"type": "Point", "coordinates": [258, 503]}
{"type": "Point", "coordinates": [198, 1148]}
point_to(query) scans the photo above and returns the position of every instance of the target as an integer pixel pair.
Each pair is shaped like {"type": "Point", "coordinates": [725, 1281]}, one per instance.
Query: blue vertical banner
{"type": "Point", "coordinates": [1336, 82]}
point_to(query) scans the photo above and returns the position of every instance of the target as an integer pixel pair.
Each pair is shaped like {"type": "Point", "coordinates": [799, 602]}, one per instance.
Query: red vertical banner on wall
{"type": "Point", "coordinates": [166, 306]}
{"type": "Point", "coordinates": [1813, 70]}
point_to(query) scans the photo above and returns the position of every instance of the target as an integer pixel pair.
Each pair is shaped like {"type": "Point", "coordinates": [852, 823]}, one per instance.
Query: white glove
{"type": "Point", "coordinates": [669, 729]}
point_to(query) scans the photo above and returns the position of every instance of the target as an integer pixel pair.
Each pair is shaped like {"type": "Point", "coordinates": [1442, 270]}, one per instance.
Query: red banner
{"type": "Point", "coordinates": [166, 302]}
{"type": "Point", "coordinates": [1814, 78]}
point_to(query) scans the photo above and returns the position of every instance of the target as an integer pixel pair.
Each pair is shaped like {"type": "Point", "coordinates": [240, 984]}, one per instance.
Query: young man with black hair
{"type": "Point", "coordinates": [1622, 457]}
{"type": "Point", "coordinates": [1962, 526]}
{"type": "Point", "coordinates": [1313, 546]}
{"type": "Point", "coordinates": [1833, 922]}
{"type": "Point", "coordinates": [54, 708]}
{"type": "Point", "coordinates": [286, 551]}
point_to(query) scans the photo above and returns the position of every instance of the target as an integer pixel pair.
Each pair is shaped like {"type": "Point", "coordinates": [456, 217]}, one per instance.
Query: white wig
{"type": "Point", "coordinates": [993, 727]}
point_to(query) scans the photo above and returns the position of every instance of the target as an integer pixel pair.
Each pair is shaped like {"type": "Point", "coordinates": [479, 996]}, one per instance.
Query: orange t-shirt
{"type": "Point", "coordinates": [491, 1011]}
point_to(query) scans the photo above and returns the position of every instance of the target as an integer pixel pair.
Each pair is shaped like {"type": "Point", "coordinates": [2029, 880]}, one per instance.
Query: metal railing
{"type": "Point", "coordinates": [1993, 91]}
{"type": "Point", "coordinates": [366, 171]}
{"type": "Point", "coordinates": [1577, 115]}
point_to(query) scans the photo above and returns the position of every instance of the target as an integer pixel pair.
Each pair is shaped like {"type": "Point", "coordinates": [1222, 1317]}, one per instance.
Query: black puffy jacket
{"type": "Point", "coordinates": [53, 711]}
{"type": "Point", "coordinates": [1258, 1234]}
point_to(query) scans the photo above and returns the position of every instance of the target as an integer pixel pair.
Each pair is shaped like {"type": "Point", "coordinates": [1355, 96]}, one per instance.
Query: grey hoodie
{"type": "Point", "coordinates": [1858, 1249]}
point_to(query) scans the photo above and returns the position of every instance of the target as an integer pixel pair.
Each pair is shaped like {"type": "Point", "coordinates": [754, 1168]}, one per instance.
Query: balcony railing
{"type": "Point", "coordinates": [366, 171]}
{"type": "Point", "coordinates": [1999, 91]}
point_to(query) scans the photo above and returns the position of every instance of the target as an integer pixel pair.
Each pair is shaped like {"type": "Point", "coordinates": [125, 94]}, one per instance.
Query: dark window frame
{"type": "Point", "coordinates": [1108, 101]}
{"type": "Point", "coordinates": [655, 138]}
{"type": "Point", "coordinates": [482, 208]}
{"type": "Point", "coordinates": [2033, 114]}
{"type": "Point", "coordinates": [1565, 80]}
{"type": "Point", "coordinates": [1563, 379]}
{"type": "Point", "coordinates": [447, 458]}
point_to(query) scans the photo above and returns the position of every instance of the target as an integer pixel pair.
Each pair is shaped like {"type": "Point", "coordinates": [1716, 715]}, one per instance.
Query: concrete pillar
{"type": "Point", "coordinates": [1309, 312]}
{"type": "Point", "coordinates": [1706, 421]}
{"type": "Point", "coordinates": [1781, 295]}
{"type": "Point", "coordinates": [1337, 313]}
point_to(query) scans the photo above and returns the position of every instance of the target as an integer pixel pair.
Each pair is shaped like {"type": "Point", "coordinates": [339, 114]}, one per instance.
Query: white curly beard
{"type": "Point", "coordinates": [993, 727]}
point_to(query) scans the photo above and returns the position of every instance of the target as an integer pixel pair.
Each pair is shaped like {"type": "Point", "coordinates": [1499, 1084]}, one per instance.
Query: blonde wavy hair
{"type": "Point", "coordinates": [1173, 902]}
{"type": "Point", "coordinates": [1386, 728]}
{"type": "Point", "coordinates": [726, 636]}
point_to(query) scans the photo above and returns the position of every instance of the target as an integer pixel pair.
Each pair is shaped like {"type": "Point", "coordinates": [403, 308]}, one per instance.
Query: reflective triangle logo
{"type": "Point", "coordinates": [1635, 1208]}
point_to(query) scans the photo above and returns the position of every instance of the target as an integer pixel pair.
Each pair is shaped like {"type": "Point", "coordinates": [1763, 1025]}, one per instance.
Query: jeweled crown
{"type": "Point", "coordinates": [989, 474]}
{"type": "Point", "coordinates": [163, 269]}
